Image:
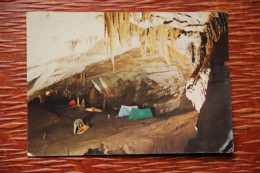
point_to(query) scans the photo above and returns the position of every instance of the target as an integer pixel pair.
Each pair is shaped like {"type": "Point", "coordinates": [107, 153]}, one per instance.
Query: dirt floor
{"type": "Point", "coordinates": [50, 132]}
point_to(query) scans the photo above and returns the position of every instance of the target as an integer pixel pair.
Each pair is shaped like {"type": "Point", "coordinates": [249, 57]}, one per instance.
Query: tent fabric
{"type": "Point", "coordinates": [140, 114]}
{"type": "Point", "coordinates": [72, 102]}
{"type": "Point", "coordinates": [126, 110]}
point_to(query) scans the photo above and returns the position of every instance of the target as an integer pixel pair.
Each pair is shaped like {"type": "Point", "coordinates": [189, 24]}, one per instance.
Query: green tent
{"type": "Point", "coordinates": [140, 114]}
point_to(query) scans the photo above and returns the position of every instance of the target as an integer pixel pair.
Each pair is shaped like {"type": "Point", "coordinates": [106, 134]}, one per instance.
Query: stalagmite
{"type": "Point", "coordinates": [104, 103]}
{"type": "Point", "coordinates": [82, 106]}
{"type": "Point", "coordinates": [78, 101]}
{"type": "Point", "coordinates": [42, 98]}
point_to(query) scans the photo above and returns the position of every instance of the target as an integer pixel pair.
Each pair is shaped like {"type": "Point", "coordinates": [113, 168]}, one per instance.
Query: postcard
{"type": "Point", "coordinates": [128, 83]}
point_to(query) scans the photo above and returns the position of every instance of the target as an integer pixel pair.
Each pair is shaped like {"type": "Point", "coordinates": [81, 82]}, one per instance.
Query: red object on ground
{"type": "Point", "coordinates": [72, 102]}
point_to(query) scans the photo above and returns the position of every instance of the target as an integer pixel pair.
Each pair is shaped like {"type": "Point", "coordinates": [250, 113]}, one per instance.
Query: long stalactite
{"type": "Point", "coordinates": [153, 39]}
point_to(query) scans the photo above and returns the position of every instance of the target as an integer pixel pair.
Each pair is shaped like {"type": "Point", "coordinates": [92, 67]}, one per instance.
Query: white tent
{"type": "Point", "coordinates": [126, 110]}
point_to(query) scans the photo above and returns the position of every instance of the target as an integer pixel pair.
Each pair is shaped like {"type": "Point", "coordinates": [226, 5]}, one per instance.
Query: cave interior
{"type": "Point", "coordinates": [174, 64]}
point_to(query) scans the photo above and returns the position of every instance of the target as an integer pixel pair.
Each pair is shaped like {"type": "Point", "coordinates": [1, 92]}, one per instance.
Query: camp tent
{"type": "Point", "coordinates": [72, 102]}
{"type": "Point", "coordinates": [126, 110]}
{"type": "Point", "coordinates": [140, 114]}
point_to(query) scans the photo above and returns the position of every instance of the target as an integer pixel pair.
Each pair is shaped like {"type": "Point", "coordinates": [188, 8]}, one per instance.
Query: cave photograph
{"type": "Point", "coordinates": [128, 83]}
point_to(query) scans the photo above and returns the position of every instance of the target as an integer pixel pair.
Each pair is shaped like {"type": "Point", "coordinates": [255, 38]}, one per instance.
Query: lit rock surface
{"type": "Point", "coordinates": [148, 58]}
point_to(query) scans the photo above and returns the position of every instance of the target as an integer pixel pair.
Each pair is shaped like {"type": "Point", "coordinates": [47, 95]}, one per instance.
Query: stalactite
{"type": "Point", "coordinates": [109, 29]}
{"type": "Point", "coordinates": [147, 16]}
{"type": "Point", "coordinates": [163, 35]}
{"type": "Point", "coordinates": [83, 78]}
{"type": "Point", "coordinates": [73, 45]}
{"type": "Point", "coordinates": [153, 39]}
{"type": "Point", "coordinates": [143, 41]}
{"type": "Point", "coordinates": [117, 25]}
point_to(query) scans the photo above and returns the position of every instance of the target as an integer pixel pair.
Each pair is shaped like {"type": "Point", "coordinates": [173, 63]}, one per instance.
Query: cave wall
{"type": "Point", "coordinates": [214, 99]}
{"type": "Point", "coordinates": [215, 117]}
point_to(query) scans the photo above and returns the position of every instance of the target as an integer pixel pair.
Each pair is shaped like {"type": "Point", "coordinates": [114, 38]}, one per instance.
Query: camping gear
{"type": "Point", "coordinates": [72, 102]}
{"type": "Point", "coordinates": [77, 124]}
{"type": "Point", "coordinates": [93, 109]}
{"type": "Point", "coordinates": [126, 110]}
{"type": "Point", "coordinates": [83, 129]}
{"type": "Point", "coordinates": [140, 114]}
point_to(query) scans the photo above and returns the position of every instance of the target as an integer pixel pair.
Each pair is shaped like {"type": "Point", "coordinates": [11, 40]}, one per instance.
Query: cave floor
{"type": "Point", "coordinates": [50, 132]}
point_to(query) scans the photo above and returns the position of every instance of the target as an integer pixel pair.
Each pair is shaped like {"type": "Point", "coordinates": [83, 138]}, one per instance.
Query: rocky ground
{"type": "Point", "coordinates": [50, 132]}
